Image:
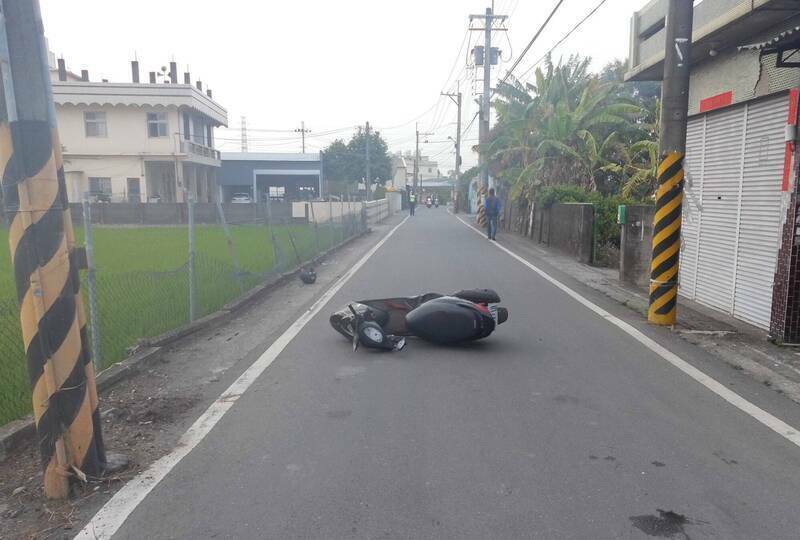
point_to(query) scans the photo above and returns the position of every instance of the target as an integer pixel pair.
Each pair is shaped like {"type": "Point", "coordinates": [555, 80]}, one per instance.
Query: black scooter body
{"type": "Point", "coordinates": [463, 316]}
{"type": "Point", "coordinates": [450, 320]}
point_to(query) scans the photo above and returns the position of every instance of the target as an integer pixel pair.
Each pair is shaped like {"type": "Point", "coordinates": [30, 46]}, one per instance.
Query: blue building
{"type": "Point", "coordinates": [285, 177]}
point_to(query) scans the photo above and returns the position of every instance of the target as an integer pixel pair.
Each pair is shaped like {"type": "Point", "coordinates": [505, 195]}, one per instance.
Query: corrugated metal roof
{"type": "Point", "coordinates": [267, 156]}
{"type": "Point", "coordinates": [791, 33]}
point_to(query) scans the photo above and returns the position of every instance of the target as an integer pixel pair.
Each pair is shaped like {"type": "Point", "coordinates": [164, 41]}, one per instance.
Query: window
{"type": "Point", "coordinates": [99, 185]}
{"type": "Point", "coordinates": [95, 123]}
{"type": "Point", "coordinates": [186, 128]}
{"type": "Point", "coordinates": [157, 124]}
{"type": "Point", "coordinates": [134, 190]}
{"type": "Point", "coordinates": [198, 131]}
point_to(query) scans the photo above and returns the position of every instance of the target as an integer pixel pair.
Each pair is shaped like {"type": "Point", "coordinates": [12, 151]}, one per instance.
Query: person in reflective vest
{"type": "Point", "coordinates": [412, 202]}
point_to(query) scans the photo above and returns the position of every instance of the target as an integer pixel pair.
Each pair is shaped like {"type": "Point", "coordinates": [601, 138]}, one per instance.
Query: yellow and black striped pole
{"type": "Point", "coordinates": [42, 250]}
{"type": "Point", "coordinates": [666, 241]}
{"type": "Point", "coordinates": [481, 209]}
{"type": "Point", "coordinates": [672, 142]}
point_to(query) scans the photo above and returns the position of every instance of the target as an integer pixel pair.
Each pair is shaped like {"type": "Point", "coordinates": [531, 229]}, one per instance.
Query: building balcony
{"type": "Point", "coordinates": [718, 25]}
{"type": "Point", "coordinates": [200, 153]}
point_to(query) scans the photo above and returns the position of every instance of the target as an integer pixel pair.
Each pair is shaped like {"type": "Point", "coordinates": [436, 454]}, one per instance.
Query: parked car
{"type": "Point", "coordinates": [100, 197]}
{"type": "Point", "coordinates": [241, 198]}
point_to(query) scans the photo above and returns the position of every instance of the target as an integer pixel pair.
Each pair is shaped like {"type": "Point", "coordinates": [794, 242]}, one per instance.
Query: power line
{"type": "Point", "coordinates": [438, 100]}
{"type": "Point", "coordinates": [264, 130]}
{"type": "Point", "coordinates": [531, 42]}
{"type": "Point", "coordinates": [470, 123]}
{"type": "Point", "coordinates": [458, 56]}
{"type": "Point", "coordinates": [563, 39]}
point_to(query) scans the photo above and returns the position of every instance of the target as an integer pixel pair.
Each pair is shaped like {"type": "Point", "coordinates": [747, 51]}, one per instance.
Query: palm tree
{"type": "Point", "coordinates": [640, 161]}
{"type": "Point", "coordinates": [562, 128]}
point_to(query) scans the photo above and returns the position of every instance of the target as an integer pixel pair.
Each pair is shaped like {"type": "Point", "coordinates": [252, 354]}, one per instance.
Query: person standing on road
{"type": "Point", "coordinates": [492, 206]}
{"type": "Point", "coordinates": [412, 202]}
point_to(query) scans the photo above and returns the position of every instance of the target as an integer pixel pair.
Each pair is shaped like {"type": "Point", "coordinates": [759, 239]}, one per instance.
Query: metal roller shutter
{"type": "Point", "coordinates": [760, 214]}
{"type": "Point", "coordinates": [721, 180]}
{"type": "Point", "coordinates": [732, 209]}
{"type": "Point", "coordinates": [690, 228]}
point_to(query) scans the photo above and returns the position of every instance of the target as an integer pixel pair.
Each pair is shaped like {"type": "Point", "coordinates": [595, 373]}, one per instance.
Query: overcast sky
{"type": "Point", "coordinates": [332, 64]}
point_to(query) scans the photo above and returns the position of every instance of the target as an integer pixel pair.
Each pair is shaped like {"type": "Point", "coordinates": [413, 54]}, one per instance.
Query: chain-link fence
{"type": "Point", "coordinates": [143, 285]}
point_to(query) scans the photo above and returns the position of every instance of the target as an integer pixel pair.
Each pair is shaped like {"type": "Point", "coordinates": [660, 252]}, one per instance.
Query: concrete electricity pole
{"type": "Point", "coordinates": [457, 100]}
{"type": "Point", "coordinates": [416, 157]}
{"type": "Point", "coordinates": [42, 242]}
{"type": "Point", "coordinates": [416, 160]}
{"type": "Point", "coordinates": [244, 134]}
{"type": "Point", "coordinates": [367, 175]}
{"type": "Point", "coordinates": [302, 131]}
{"type": "Point", "coordinates": [672, 149]}
{"type": "Point", "coordinates": [490, 57]}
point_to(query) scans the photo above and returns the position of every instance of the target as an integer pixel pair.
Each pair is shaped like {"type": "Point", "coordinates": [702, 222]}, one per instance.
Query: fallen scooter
{"type": "Point", "coordinates": [385, 323]}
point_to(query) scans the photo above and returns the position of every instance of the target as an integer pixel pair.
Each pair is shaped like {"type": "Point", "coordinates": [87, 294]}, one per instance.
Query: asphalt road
{"type": "Point", "coordinates": [559, 425]}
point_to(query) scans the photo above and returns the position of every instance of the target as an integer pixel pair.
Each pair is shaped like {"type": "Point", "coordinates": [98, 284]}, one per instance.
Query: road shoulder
{"type": "Point", "coordinates": [145, 415]}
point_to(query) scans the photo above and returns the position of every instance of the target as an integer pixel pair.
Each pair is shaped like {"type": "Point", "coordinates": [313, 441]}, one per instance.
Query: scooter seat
{"type": "Point", "coordinates": [479, 296]}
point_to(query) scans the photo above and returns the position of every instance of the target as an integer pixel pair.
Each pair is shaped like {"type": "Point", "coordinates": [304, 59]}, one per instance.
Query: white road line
{"type": "Point", "coordinates": [778, 426]}
{"type": "Point", "coordinates": [114, 513]}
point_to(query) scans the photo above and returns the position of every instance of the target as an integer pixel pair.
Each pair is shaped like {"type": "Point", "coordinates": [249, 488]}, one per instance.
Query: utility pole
{"type": "Point", "coordinates": [457, 100]}
{"type": "Point", "coordinates": [244, 134]}
{"type": "Point", "coordinates": [65, 404]}
{"type": "Point", "coordinates": [490, 57]}
{"type": "Point", "coordinates": [367, 177]}
{"type": "Point", "coordinates": [416, 160]}
{"type": "Point", "coordinates": [302, 131]}
{"type": "Point", "coordinates": [416, 157]}
{"type": "Point", "coordinates": [672, 149]}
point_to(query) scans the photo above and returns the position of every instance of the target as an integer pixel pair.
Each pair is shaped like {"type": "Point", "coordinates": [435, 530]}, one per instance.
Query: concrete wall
{"type": "Point", "coordinates": [635, 245]}
{"type": "Point", "coordinates": [321, 211]}
{"type": "Point", "coordinates": [516, 217]}
{"type": "Point", "coordinates": [118, 168]}
{"type": "Point", "coordinates": [377, 211]}
{"type": "Point", "coordinates": [175, 214]}
{"type": "Point", "coordinates": [746, 74]}
{"type": "Point", "coordinates": [567, 227]}
{"type": "Point", "coordinates": [571, 230]}
{"type": "Point", "coordinates": [395, 199]}
{"type": "Point", "coordinates": [126, 127]}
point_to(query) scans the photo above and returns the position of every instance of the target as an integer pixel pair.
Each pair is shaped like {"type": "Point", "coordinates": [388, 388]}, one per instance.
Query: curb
{"type": "Point", "coordinates": [16, 432]}
{"type": "Point", "coordinates": [729, 353]}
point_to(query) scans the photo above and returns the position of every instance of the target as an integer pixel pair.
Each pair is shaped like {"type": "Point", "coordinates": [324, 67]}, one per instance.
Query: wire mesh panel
{"type": "Point", "coordinates": [135, 305]}
{"type": "Point", "coordinates": [142, 277]}
{"type": "Point", "coordinates": [15, 393]}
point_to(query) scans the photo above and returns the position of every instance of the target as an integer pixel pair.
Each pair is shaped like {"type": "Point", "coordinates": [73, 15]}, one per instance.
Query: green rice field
{"type": "Point", "coordinates": [143, 285]}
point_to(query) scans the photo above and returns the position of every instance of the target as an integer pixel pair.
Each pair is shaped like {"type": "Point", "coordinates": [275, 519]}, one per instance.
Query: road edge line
{"type": "Point", "coordinates": [113, 514]}
{"type": "Point", "coordinates": [774, 423]}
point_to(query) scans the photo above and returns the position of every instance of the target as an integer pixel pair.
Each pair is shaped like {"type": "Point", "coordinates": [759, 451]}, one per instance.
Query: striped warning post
{"type": "Point", "coordinates": [481, 209]}
{"type": "Point", "coordinates": [666, 241]}
{"type": "Point", "coordinates": [51, 312]}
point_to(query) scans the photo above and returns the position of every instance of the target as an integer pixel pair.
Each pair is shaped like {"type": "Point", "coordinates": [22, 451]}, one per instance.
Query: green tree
{"type": "Point", "coordinates": [345, 164]}
{"type": "Point", "coordinates": [568, 126]}
{"type": "Point", "coordinates": [558, 129]}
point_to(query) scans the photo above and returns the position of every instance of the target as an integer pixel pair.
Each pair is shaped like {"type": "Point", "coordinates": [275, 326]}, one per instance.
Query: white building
{"type": "Point", "coordinates": [400, 168]}
{"type": "Point", "coordinates": [740, 212]}
{"type": "Point", "coordinates": [137, 142]}
{"type": "Point", "coordinates": [428, 169]}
